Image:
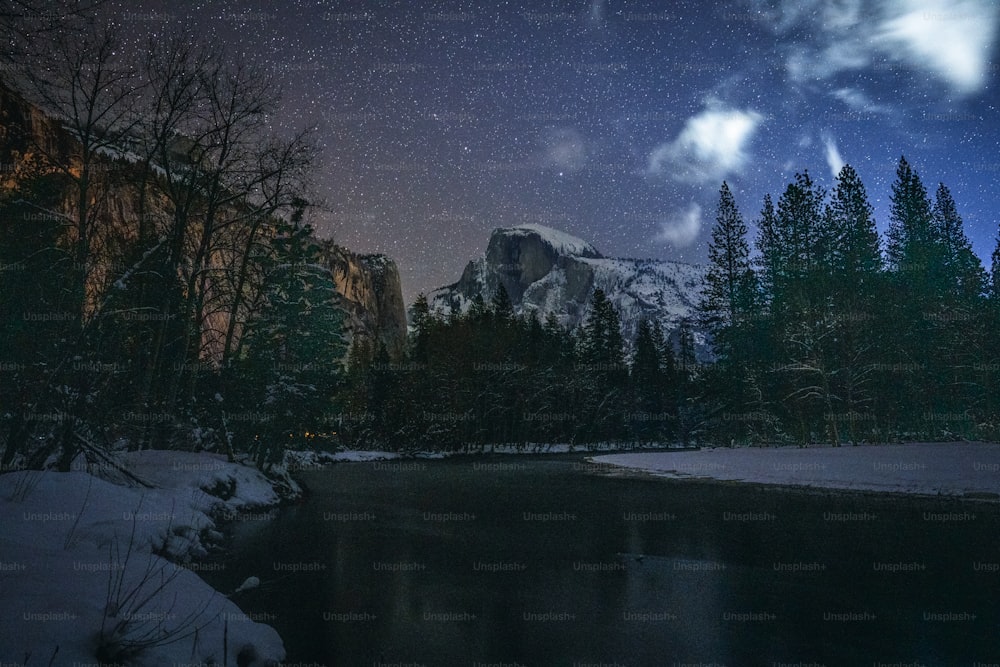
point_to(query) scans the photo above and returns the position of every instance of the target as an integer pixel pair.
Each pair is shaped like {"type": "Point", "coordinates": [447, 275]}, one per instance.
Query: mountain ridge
{"type": "Point", "coordinates": [547, 271]}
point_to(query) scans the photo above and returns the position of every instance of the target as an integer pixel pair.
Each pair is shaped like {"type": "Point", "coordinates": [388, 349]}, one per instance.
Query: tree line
{"type": "Point", "coordinates": [489, 376]}
{"type": "Point", "coordinates": [819, 333]}
{"type": "Point", "coordinates": [822, 336]}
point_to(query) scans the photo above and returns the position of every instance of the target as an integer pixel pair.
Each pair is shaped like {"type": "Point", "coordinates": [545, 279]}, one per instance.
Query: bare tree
{"type": "Point", "coordinates": [26, 25]}
{"type": "Point", "coordinates": [91, 94]}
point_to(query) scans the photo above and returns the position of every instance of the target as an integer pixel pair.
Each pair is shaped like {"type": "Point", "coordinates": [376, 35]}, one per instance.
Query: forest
{"type": "Point", "coordinates": [821, 331]}
{"type": "Point", "coordinates": [161, 286]}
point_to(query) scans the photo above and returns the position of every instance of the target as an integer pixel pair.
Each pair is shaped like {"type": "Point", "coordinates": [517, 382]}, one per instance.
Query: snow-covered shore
{"type": "Point", "coordinates": [945, 469]}
{"type": "Point", "coordinates": [309, 460]}
{"type": "Point", "coordinates": [92, 567]}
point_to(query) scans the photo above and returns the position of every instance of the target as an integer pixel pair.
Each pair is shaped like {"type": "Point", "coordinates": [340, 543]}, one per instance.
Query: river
{"type": "Point", "coordinates": [549, 561]}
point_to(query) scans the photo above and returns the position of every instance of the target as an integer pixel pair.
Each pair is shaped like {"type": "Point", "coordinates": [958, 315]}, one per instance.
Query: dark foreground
{"type": "Point", "coordinates": [545, 562]}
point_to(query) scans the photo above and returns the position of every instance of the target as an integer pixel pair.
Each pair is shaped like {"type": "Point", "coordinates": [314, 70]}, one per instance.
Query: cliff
{"type": "Point", "coordinates": [547, 271]}
{"type": "Point", "coordinates": [31, 142]}
{"type": "Point", "coordinates": [372, 295]}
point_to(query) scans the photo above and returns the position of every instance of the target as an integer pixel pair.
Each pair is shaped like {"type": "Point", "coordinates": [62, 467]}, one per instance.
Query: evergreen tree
{"type": "Point", "coordinates": [726, 309]}
{"type": "Point", "coordinates": [728, 296]}
{"type": "Point", "coordinates": [856, 286]}
{"type": "Point", "coordinates": [422, 322]}
{"type": "Point", "coordinates": [912, 242]}
{"type": "Point", "coordinates": [602, 372]}
{"type": "Point", "coordinates": [802, 248]}
{"type": "Point", "coordinates": [963, 329]}
{"type": "Point", "coordinates": [855, 249]}
{"type": "Point", "coordinates": [477, 311]}
{"type": "Point", "coordinates": [769, 266]}
{"type": "Point", "coordinates": [800, 322]}
{"type": "Point", "coordinates": [917, 276]}
{"type": "Point", "coordinates": [966, 279]}
{"type": "Point", "coordinates": [995, 272]}
{"type": "Point", "coordinates": [602, 342]}
{"type": "Point", "coordinates": [295, 346]}
{"type": "Point", "coordinates": [687, 382]}
{"type": "Point", "coordinates": [503, 309]}
{"type": "Point", "coordinates": [647, 384]}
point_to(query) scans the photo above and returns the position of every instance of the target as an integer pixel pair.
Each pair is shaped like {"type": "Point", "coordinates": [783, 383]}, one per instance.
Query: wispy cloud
{"type": "Point", "coordinates": [859, 101]}
{"type": "Point", "coordinates": [682, 228]}
{"type": "Point", "coordinates": [711, 146]}
{"type": "Point", "coordinates": [833, 158]}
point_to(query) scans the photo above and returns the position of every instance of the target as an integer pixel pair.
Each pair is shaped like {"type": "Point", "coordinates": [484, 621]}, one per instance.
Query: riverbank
{"type": "Point", "coordinates": [107, 565]}
{"type": "Point", "coordinates": [957, 469]}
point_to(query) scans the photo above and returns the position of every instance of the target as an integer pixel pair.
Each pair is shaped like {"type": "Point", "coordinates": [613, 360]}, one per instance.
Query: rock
{"type": "Point", "coordinates": [372, 295]}
{"type": "Point", "coordinates": [547, 271]}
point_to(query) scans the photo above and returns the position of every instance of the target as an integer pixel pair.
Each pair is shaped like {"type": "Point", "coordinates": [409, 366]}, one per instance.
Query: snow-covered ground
{"type": "Point", "coordinates": [306, 460]}
{"type": "Point", "coordinates": [90, 564]}
{"type": "Point", "coordinates": [947, 469]}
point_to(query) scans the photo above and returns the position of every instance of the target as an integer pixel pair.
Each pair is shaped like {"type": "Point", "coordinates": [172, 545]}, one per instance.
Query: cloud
{"type": "Point", "coordinates": [807, 63]}
{"type": "Point", "coordinates": [833, 158]}
{"type": "Point", "coordinates": [682, 228]}
{"type": "Point", "coordinates": [949, 39]}
{"type": "Point", "coordinates": [842, 14]}
{"type": "Point", "coordinates": [711, 146]}
{"type": "Point", "coordinates": [859, 101]}
{"type": "Point", "coordinates": [563, 149]}
{"type": "Point", "coordinates": [953, 39]}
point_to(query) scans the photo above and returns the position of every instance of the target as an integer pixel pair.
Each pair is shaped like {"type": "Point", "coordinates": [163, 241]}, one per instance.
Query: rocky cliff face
{"type": "Point", "coordinates": [29, 142]}
{"type": "Point", "coordinates": [372, 295]}
{"type": "Point", "coordinates": [547, 271]}
{"type": "Point", "coordinates": [25, 134]}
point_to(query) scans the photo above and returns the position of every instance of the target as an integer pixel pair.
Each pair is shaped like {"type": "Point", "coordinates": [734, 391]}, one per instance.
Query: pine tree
{"type": "Point", "coordinates": [912, 244]}
{"type": "Point", "coordinates": [769, 266]}
{"type": "Point", "coordinates": [422, 322]}
{"type": "Point", "coordinates": [855, 248]}
{"type": "Point", "coordinates": [989, 362]}
{"type": "Point", "coordinates": [802, 247]}
{"type": "Point", "coordinates": [687, 382]}
{"type": "Point", "coordinates": [477, 311]}
{"type": "Point", "coordinates": [917, 276]}
{"type": "Point", "coordinates": [855, 290]}
{"type": "Point", "coordinates": [798, 328]}
{"type": "Point", "coordinates": [726, 310]}
{"type": "Point", "coordinates": [602, 371]}
{"type": "Point", "coordinates": [963, 329]}
{"type": "Point", "coordinates": [966, 279]}
{"type": "Point", "coordinates": [728, 296]}
{"type": "Point", "coordinates": [295, 347]}
{"type": "Point", "coordinates": [647, 383]}
{"type": "Point", "coordinates": [995, 272]}
{"type": "Point", "coordinates": [501, 305]}
{"type": "Point", "coordinates": [602, 342]}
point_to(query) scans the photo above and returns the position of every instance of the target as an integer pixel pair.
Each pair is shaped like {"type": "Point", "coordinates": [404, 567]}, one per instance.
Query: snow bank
{"type": "Point", "coordinates": [947, 469]}
{"type": "Point", "coordinates": [79, 553]}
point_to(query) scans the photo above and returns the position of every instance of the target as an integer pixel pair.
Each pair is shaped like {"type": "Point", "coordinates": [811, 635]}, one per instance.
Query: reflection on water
{"type": "Point", "coordinates": [456, 563]}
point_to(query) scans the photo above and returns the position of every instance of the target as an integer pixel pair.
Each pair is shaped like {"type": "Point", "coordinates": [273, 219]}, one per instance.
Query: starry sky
{"type": "Point", "coordinates": [613, 121]}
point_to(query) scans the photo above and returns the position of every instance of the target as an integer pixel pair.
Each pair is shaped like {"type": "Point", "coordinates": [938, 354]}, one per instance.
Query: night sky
{"type": "Point", "coordinates": [614, 121]}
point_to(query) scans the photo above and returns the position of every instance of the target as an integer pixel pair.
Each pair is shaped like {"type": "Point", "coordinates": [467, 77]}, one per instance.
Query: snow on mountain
{"type": "Point", "coordinates": [561, 242]}
{"type": "Point", "coordinates": [548, 271]}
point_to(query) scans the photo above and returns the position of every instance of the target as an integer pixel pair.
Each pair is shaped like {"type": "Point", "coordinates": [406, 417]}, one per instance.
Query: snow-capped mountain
{"type": "Point", "coordinates": [548, 271]}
